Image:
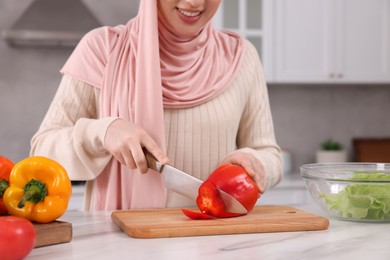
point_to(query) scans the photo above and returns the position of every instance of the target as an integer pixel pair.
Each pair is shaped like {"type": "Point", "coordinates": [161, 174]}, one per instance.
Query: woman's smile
{"type": "Point", "coordinates": [188, 13]}
{"type": "Point", "coordinates": [186, 18]}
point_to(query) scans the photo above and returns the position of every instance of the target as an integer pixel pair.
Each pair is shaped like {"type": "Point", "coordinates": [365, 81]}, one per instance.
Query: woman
{"type": "Point", "coordinates": [168, 82]}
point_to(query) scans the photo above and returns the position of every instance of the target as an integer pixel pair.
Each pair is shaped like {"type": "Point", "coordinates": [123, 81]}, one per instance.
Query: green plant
{"type": "Point", "coordinates": [331, 145]}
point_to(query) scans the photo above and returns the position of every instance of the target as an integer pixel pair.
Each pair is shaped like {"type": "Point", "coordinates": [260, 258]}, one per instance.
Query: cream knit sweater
{"type": "Point", "coordinates": [197, 138]}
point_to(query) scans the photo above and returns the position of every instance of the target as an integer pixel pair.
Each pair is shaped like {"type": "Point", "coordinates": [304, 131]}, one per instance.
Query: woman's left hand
{"type": "Point", "coordinates": [252, 165]}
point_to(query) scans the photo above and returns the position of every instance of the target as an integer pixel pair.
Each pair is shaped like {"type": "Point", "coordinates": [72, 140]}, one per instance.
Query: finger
{"type": "Point", "coordinates": [155, 150]}
{"type": "Point", "coordinates": [260, 184]}
{"type": "Point", "coordinates": [119, 157]}
{"type": "Point", "coordinates": [256, 170]}
{"type": "Point", "coordinates": [259, 173]}
{"type": "Point", "coordinates": [129, 160]}
{"type": "Point", "coordinates": [249, 167]}
{"type": "Point", "coordinates": [140, 159]}
{"type": "Point", "coordinates": [258, 179]}
{"type": "Point", "coordinates": [117, 152]}
{"type": "Point", "coordinates": [124, 156]}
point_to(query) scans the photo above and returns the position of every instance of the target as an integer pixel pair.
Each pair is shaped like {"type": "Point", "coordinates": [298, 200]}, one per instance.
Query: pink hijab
{"type": "Point", "coordinates": [139, 74]}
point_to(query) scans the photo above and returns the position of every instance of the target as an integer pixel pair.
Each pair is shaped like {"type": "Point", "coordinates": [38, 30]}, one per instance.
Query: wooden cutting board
{"type": "Point", "coordinates": [159, 223]}
{"type": "Point", "coordinates": [53, 233]}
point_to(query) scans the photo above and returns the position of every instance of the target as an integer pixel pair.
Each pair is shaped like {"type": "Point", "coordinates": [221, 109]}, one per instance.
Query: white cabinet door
{"type": "Point", "coordinates": [363, 52]}
{"type": "Point", "coordinates": [303, 40]}
{"type": "Point", "coordinates": [245, 17]}
{"type": "Point", "coordinates": [251, 19]}
{"type": "Point", "coordinates": [332, 41]}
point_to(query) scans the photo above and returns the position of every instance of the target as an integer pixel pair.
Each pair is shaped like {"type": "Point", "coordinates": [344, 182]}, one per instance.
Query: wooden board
{"type": "Point", "coordinates": [159, 223]}
{"type": "Point", "coordinates": [53, 233]}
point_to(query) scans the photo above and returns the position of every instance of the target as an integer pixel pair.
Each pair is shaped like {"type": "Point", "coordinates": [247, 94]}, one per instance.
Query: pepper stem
{"type": "Point", "coordinates": [3, 186]}
{"type": "Point", "coordinates": [35, 191]}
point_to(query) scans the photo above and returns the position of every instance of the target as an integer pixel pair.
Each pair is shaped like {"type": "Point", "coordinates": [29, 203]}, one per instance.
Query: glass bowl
{"type": "Point", "coordinates": [350, 191]}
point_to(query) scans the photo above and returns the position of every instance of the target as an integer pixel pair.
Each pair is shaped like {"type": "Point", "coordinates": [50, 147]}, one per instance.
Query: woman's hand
{"type": "Point", "coordinates": [125, 140]}
{"type": "Point", "coordinates": [252, 165]}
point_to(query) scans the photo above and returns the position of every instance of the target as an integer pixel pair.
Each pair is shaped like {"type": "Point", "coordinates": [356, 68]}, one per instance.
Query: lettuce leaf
{"type": "Point", "coordinates": [362, 201]}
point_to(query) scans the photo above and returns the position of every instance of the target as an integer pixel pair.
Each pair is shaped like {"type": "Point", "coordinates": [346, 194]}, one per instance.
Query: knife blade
{"type": "Point", "coordinates": [187, 185]}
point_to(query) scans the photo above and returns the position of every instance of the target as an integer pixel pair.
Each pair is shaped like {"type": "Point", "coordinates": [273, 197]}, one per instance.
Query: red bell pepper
{"type": "Point", "coordinates": [195, 215]}
{"type": "Point", "coordinates": [232, 179]}
{"type": "Point", "coordinates": [6, 166]}
{"type": "Point", "coordinates": [209, 201]}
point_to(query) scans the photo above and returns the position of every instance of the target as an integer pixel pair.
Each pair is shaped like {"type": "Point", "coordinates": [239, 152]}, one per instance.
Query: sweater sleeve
{"type": "Point", "coordinates": [256, 130]}
{"type": "Point", "coordinates": [71, 134]}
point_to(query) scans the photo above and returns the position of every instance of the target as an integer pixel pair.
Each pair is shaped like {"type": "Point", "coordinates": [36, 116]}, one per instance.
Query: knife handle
{"type": "Point", "coordinates": [152, 161]}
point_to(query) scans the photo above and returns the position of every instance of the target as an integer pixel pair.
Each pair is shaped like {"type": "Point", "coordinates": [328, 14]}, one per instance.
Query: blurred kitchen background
{"type": "Point", "coordinates": [327, 65]}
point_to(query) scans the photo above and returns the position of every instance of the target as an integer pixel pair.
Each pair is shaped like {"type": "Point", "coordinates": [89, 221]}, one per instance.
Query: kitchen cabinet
{"type": "Point", "coordinates": [331, 41]}
{"type": "Point", "coordinates": [252, 20]}
{"type": "Point", "coordinates": [244, 17]}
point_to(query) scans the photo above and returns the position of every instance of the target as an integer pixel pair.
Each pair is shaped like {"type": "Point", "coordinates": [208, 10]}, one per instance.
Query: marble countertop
{"type": "Point", "coordinates": [291, 181]}
{"type": "Point", "coordinates": [96, 237]}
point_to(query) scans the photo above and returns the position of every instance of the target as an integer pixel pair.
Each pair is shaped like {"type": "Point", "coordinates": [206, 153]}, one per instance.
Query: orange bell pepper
{"type": "Point", "coordinates": [39, 190]}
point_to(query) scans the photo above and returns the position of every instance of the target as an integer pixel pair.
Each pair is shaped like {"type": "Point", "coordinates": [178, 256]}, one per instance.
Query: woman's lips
{"type": "Point", "coordinates": [188, 16]}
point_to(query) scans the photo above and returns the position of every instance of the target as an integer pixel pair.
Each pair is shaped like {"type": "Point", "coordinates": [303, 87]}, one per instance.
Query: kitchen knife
{"type": "Point", "coordinates": [187, 185]}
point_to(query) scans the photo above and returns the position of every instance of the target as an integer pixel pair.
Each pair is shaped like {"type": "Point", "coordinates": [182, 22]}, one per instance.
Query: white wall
{"type": "Point", "coordinates": [303, 115]}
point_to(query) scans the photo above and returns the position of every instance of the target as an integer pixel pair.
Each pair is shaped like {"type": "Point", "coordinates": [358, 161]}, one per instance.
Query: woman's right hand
{"type": "Point", "coordinates": [125, 140]}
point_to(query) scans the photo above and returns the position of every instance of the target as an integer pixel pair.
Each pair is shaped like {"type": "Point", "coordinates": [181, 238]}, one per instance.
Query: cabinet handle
{"type": "Point", "coordinates": [332, 75]}
{"type": "Point", "coordinates": [340, 75]}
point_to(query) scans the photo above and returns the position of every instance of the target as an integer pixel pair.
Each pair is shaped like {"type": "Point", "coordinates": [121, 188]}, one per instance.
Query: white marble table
{"type": "Point", "coordinates": [96, 237]}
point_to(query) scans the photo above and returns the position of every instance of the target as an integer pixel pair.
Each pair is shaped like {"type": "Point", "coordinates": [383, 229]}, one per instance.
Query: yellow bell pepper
{"type": "Point", "coordinates": [39, 190]}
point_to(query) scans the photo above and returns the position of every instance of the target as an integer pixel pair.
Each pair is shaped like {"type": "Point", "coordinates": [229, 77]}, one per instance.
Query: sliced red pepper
{"type": "Point", "coordinates": [232, 179]}
{"type": "Point", "coordinates": [208, 199]}
{"type": "Point", "coordinates": [195, 215]}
